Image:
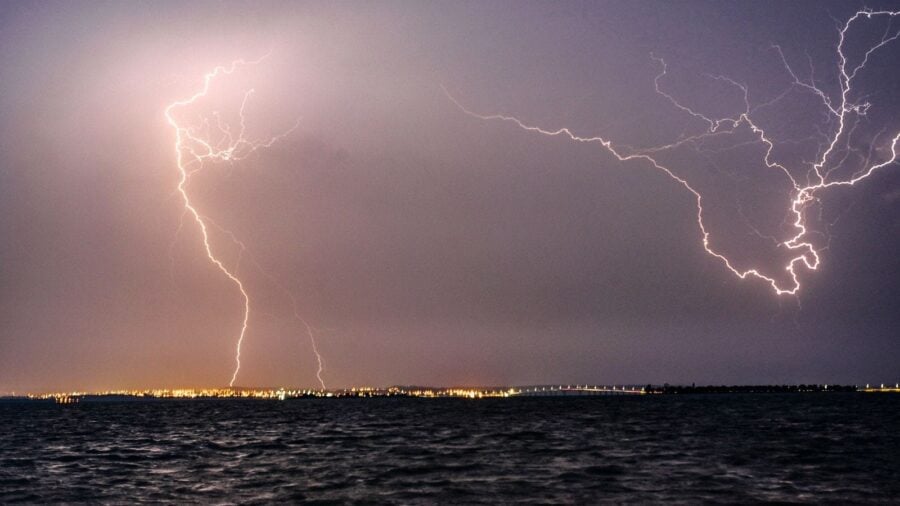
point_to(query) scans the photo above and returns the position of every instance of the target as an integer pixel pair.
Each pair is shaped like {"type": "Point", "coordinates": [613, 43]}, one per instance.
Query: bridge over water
{"type": "Point", "coordinates": [573, 390]}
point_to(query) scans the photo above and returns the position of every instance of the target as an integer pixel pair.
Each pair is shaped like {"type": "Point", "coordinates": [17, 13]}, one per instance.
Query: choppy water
{"type": "Point", "coordinates": [832, 448]}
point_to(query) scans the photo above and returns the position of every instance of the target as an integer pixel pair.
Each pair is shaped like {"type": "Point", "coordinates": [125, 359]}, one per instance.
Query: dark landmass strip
{"type": "Point", "coordinates": [748, 389]}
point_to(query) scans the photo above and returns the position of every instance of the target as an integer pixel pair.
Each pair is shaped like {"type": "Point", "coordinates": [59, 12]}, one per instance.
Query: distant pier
{"type": "Point", "coordinates": [573, 390]}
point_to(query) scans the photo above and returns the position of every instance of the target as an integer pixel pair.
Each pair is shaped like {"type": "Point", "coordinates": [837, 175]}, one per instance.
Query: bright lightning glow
{"type": "Point", "coordinates": [802, 193]}
{"type": "Point", "coordinates": [196, 146]}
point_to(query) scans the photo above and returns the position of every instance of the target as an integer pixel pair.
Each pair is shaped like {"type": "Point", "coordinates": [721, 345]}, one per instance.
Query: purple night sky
{"type": "Point", "coordinates": [425, 245]}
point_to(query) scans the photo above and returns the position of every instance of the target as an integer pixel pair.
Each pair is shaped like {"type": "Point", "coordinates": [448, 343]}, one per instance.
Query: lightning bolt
{"type": "Point", "coordinates": [216, 142]}
{"type": "Point", "coordinates": [840, 109]}
{"type": "Point", "coordinates": [310, 333]}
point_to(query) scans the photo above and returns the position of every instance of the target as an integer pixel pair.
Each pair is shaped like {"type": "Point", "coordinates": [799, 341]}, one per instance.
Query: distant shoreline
{"type": "Point", "coordinates": [434, 392]}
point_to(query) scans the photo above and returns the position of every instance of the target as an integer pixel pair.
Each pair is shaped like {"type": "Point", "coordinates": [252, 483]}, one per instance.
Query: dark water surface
{"type": "Point", "coordinates": [814, 448]}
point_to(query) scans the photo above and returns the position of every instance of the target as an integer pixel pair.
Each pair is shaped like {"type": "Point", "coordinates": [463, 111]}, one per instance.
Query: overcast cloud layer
{"type": "Point", "coordinates": [424, 245]}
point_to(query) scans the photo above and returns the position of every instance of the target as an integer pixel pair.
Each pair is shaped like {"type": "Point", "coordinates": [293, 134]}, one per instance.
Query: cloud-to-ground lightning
{"type": "Point", "coordinates": [310, 333]}
{"type": "Point", "coordinates": [215, 141]}
{"type": "Point", "coordinates": [842, 110]}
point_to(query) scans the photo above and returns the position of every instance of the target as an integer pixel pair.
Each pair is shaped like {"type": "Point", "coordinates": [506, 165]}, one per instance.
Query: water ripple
{"type": "Point", "coordinates": [834, 448]}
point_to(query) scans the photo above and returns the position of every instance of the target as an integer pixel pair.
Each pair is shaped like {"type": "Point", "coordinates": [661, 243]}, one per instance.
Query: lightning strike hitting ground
{"type": "Point", "coordinates": [195, 146]}
{"type": "Point", "coordinates": [295, 312]}
{"type": "Point", "coordinates": [803, 193]}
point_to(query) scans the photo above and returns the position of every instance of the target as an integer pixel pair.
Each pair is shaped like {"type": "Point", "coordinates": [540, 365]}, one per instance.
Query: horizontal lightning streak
{"type": "Point", "coordinates": [803, 194]}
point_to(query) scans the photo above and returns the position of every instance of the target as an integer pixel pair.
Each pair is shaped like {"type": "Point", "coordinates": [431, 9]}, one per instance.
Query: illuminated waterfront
{"type": "Point", "coordinates": [282, 394]}
{"type": "Point", "coordinates": [362, 392]}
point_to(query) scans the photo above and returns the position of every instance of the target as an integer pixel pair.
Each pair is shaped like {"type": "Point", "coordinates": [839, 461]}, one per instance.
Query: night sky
{"type": "Point", "coordinates": [425, 245]}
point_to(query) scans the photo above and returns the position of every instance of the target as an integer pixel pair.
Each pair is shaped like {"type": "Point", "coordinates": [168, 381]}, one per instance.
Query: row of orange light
{"type": "Point", "coordinates": [191, 393]}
